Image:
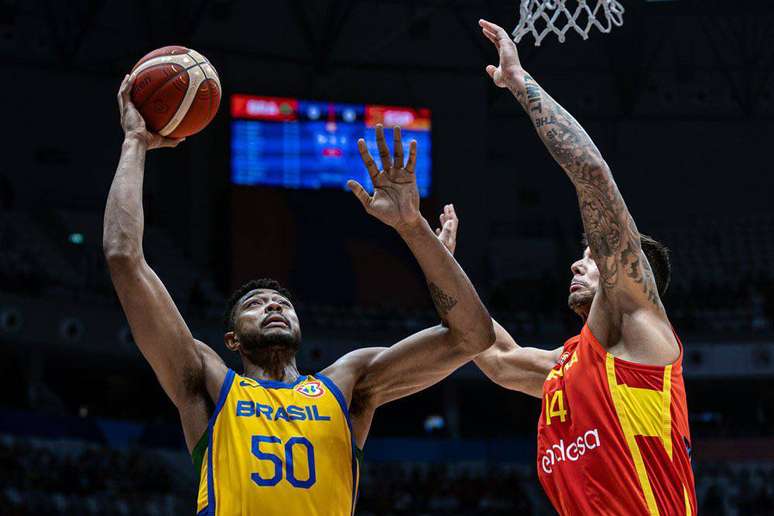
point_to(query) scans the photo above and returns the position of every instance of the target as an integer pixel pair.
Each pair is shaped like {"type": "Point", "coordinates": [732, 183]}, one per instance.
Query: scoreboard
{"type": "Point", "coordinates": [292, 143]}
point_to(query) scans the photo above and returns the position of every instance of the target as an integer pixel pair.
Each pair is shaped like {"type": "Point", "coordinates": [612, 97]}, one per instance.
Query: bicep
{"type": "Point", "coordinates": [411, 365]}
{"type": "Point", "coordinates": [625, 276]}
{"type": "Point", "coordinates": [159, 330]}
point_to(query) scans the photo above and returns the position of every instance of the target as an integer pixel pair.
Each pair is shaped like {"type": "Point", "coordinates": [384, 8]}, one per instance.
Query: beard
{"type": "Point", "coordinates": [273, 339]}
{"type": "Point", "coordinates": [580, 302]}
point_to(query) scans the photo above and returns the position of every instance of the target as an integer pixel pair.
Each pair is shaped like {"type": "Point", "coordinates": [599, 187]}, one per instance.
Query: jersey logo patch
{"type": "Point", "coordinates": [311, 389]}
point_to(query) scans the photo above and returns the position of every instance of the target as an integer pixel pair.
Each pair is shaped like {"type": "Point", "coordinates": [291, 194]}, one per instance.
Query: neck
{"type": "Point", "coordinates": [273, 363]}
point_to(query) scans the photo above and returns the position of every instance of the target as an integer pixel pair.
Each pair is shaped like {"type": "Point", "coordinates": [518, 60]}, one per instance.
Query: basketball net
{"type": "Point", "coordinates": [542, 17]}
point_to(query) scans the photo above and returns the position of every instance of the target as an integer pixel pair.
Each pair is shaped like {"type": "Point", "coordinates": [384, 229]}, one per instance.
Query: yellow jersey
{"type": "Point", "coordinates": [281, 449]}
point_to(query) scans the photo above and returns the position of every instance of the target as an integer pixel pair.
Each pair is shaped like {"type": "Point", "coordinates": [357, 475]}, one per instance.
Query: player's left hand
{"type": "Point", "coordinates": [509, 68]}
{"type": "Point", "coordinates": [396, 198]}
{"type": "Point", "coordinates": [447, 233]}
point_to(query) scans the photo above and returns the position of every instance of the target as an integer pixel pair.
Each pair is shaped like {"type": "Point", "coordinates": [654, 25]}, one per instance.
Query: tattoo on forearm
{"type": "Point", "coordinates": [443, 302]}
{"type": "Point", "coordinates": [533, 95]}
{"type": "Point", "coordinates": [610, 230]}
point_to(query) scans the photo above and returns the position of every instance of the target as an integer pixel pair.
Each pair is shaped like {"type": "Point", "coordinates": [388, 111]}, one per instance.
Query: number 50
{"type": "Point", "coordinates": [289, 465]}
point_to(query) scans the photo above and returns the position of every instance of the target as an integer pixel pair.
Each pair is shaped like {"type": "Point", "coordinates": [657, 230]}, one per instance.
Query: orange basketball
{"type": "Point", "coordinates": [176, 90]}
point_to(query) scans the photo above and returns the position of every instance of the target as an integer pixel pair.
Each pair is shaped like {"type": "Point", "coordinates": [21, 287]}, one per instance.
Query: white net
{"type": "Point", "coordinates": [543, 17]}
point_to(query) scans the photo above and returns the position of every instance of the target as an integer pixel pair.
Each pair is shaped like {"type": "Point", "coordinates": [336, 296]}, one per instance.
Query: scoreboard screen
{"type": "Point", "coordinates": [292, 143]}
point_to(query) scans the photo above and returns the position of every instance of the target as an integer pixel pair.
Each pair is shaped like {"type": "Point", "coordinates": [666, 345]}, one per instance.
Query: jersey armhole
{"type": "Point", "coordinates": [197, 455]}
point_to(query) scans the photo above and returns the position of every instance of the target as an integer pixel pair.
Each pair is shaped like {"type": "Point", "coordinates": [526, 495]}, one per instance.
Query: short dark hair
{"type": "Point", "coordinates": [263, 283]}
{"type": "Point", "coordinates": [658, 256]}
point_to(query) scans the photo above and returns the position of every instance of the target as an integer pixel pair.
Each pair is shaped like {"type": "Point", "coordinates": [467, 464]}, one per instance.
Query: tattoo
{"type": "Point", "coordinates": [443, 302]}
{"type": "Point", "coordinates": [610, 229]}
{"type": "Point", "coordinates": [544, 120]}
{"type": "Point", "coordinates": [533, 94]}
{"type": "Point", "coordinates": [638, 269]}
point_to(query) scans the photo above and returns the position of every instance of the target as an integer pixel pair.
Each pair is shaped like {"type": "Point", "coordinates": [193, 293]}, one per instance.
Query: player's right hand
{"type": "Point", "coordinates": [447, 233]}
{"type": "Point", "coordinates": [133, 123]}
{"type": "Point", "coordinates": [509, 67]}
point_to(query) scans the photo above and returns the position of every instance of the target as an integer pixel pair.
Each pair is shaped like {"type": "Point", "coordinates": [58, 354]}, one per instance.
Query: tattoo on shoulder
{"type": "Point", "coordinates": [443, 302]}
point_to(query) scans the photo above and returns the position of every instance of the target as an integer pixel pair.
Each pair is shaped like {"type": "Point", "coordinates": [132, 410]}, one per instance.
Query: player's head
{"type": "Point", "coordinates": [585, 280]}
{"type": "Point", "coordinates": [260, 316]}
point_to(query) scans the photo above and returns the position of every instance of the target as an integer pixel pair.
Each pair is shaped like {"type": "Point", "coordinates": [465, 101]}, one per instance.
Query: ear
{"type": "Point", "coordinates": [231, 341]}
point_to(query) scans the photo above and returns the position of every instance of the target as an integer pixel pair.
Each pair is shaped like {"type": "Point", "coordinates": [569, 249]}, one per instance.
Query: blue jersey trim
{"type": "Point", "coordinates": [203, 512]}
{"type": "Point", "coordinates": [224, 390]}
{"type": "Point", "coordinates": [274, 384]}
{"type": "Point", "coordinates": [343, 404]}
{"type": "Point", "coordinates": [338, 395]}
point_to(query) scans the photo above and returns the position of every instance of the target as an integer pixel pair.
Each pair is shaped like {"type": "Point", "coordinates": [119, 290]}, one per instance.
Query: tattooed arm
{"type": "Point", "coordinates": [627, 284]}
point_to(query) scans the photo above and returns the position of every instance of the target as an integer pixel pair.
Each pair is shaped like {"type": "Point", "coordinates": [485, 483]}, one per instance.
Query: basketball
{"type": "Point", "coordinates": [177, 91]}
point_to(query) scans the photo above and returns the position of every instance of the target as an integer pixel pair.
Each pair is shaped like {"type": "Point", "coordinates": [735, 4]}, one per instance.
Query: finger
{"type": "Point", "coordinates": [368, 160]}
{"type": "Point", "coordinates": [397, 147]}
{"type": "Point", "coordinates": [438, 231]}
{"type": "Point", "coordinates": [493, 28]}
{"type": "Point", "coordinates": [121, 92]}
{"type": "Point", "coordinates": [491, 36]}
{"type": "Point", "coordinates": [442, 218]}
{"type": "Point", "coordinates": [384, 151]}
{"type": "Point", "coordinates": [412, 159]}
{"type": "Point", "coordinates": [362, 196]}
{"type": "Point", "coordinates": [453, 212]}
{"type": "Point", "coordinates": [171, 142]}
{"type": "Point", "coordinates": [490, 70]}
{"type": "Point", "coordinates": [449, 229]}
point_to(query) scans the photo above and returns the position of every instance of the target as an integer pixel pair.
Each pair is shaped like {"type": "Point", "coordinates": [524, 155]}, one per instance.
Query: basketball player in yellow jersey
{"type": "Point", "coordinates": [271, 441]}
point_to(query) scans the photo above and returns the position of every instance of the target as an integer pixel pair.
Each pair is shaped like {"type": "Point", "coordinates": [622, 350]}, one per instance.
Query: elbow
{"type": "Point", "coordinates": [119, 255]}
{"type": "Point", "coordinates": [478, 337]}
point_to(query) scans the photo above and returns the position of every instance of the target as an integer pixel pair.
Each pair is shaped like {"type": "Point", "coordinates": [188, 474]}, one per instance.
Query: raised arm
{"type": "Point", "coordinates": [396, 203]}
{"type": "Point", "coordinates": [179, 361]}
{"type": "Point", "coordinates": [625, 276]}
{"type": "Point", "coordinates": [376, 376]}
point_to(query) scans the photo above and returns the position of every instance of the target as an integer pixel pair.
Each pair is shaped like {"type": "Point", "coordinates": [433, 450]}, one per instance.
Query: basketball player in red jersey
{"type": "Point", "coordinates": [613, 435]}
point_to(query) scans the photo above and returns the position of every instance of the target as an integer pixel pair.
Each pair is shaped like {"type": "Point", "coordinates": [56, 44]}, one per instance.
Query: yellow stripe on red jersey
{"type": "Point", "coordinates": [613, 436]}
{"type": "Point", "coordinates": [279, 449]}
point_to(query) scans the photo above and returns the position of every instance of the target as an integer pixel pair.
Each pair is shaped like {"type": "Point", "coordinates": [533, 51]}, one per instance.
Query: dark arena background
{"type": "Point", "coordinates": [679, 100]}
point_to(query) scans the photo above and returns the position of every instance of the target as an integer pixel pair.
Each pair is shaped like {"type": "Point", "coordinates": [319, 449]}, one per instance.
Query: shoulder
{"type": "Point", "coordinates": [347, 371]}
{"type": "Point", "coordinates": [353, 360]}
{"type": "Point", "coordinates": [641, 336]}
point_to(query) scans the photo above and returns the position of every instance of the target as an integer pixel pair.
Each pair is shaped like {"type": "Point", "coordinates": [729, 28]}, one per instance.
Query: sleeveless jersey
{"type": "Point", "coordinates": [279, 449]}
{"type": "Point", "coordinates": [613, 435]}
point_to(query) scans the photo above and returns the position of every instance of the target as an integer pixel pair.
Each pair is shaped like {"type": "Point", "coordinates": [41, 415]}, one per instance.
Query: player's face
{"type": "Point", "coordinates": [583, 287]}
{"type": "Point", "coordinates": [265, 318]}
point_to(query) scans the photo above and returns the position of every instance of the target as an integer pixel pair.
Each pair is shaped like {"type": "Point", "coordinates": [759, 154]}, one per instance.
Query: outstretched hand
{"type": "Point", "coordinates": [396, 198]}
{"type": "Point", "coordinates": [447, 233]}
{"type": "Point", "coordinates": [509, 65]}
{"type": "Point", "coordinates": [133, 123]}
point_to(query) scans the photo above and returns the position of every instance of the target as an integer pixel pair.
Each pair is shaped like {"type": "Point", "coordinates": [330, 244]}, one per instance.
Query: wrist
{"type": "Point", "coordinates": [514, 78]}
{"type": "Point", "coordinates": [135, 139]}
{"type": "Point", "coordinates": [413, 229]}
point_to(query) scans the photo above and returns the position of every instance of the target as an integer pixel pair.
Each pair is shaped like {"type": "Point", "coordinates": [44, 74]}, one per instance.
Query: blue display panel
{"type": "Point", "coordinates": [294, 143]}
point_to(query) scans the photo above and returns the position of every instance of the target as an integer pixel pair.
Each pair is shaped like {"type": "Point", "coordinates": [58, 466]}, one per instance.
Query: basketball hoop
{"type": "Point", "coordinates": [542, 17]}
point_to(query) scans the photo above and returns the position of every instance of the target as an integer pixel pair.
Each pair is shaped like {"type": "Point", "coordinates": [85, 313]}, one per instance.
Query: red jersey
{"type": "Point", "coordinates": [613, 436]}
